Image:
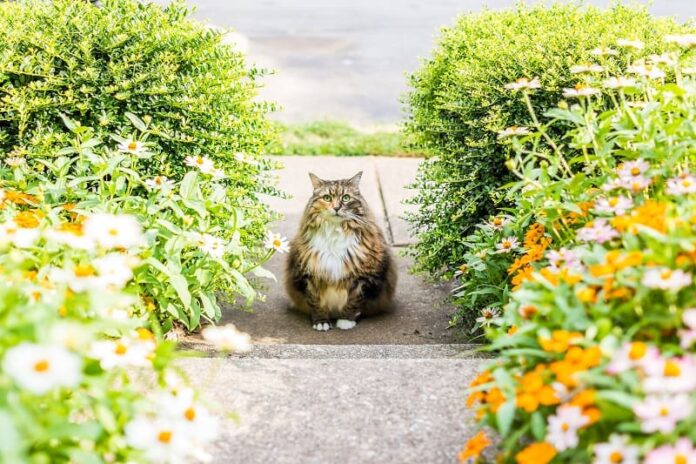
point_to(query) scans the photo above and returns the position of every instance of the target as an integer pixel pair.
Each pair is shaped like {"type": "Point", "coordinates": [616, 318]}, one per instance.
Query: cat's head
{"type": "Point", "coordinates": [337, 199]}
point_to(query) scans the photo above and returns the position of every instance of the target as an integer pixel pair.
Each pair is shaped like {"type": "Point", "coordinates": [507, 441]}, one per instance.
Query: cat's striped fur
{"type": "Point", "coordinates": [339, 265]}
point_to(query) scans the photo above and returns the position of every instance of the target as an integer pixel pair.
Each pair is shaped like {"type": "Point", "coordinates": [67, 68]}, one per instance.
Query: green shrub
{"type": "Point", "coordinates": [94, 65]}
{"type": "Point", "coordinates": [458, 104]}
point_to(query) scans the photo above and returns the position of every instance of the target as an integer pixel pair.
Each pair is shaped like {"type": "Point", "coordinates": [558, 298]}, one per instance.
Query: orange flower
{"type": "Point", "coordinates": [585, 400]}
{"type": "Point", "coordinates": [560, 341]}
{"type": "Point", "coordinates": [478, 396]}
{"type": "Point", "coordinates": [651, 214]}
{"type": "Point", "coordinates": [525, 274]}
{"type": "Point", "coordinates": [20, 198]}
{"type": "Point", "coordinates": [563, 276]}
{"type": "Point", "coordinates": [536, 453]}
{"type": "Point", "coordinates": [576, 360]}
{"type": "Point", "coordinates": [474, 446]}
{"type": "Point", "coordinates": [495, 398]}
{"type": "Point", "coordinates": [587, 294]}
{"type": "Point", "coordinates": [534, 233]}
{"type": "Point", "coordinates": [28, 219]}
{"type": "Point", "coordinates": [512, 330]}
{"type": "Point", "coordinates": [527, 311]}
{"type": "Point", "coordinates": [532, 392]}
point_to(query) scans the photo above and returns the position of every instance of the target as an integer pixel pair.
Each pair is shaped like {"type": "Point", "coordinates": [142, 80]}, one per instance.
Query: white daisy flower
{"type": "Point", "coordinates": [498, 222]}
{"type": "Point", "coordinates": [11, 233]}
{"type": "Point", "coordinates": [114, 270]}
{"type": "Point", "coordinates": [72, 235]}
{"type": "Point", "coordinates": [684, 184]}
{"type": "Point", "coordinates": [15, 161]}
{"type": "Point", "coordinates": [683, 40]}
{"type": "Point", "coordinates": [670, 375]}
{"type": "Point", "coordinates": [617, 450]}
{"type": "Point", "coordinates": [635, 184]}
{"type": "Point", "coordinates": [666, 279]}
{"type": "Point", "coordinates": [633, 168]}
{"type": "Point", "coordinates": [80, 278]}
{"type": "Point", "coordinates": [580, 90]}
{"type": "Point", "coordinates": [487, 316]}
{"type": "Point", "coordinates": [160, 439]}
{"type": "Point", "coordinates": [181, 407]}
{"type": "Point", "coordinates": [159, 183]}
{"type": "Point", "coordinates": [682, 452]}
{"type": "Point", "coordinates": [664, 58]}
{"type": "Point", "coordinates": [619, 82]}
{"type": "Point", "coordinates": [635, 44]}
{"type": "Point", "coordinates": [122, 352]}
{"type": "Point", "coordinates": [597, 231]}
{"type": "Point", "coordinates": [651, 72]}
{"type": "Point", "coordinates": [564, 425]}
{"type": "Point", "coordinates": [133, 147]}
{"type": "Point", "coordinates": [212, 245]}
{"type": "Point", "coordinates": [635, 355]}
{"type": "Point", "coordinates": [586, 68]}
{"type": "Point", "coordinates": [660, 413]}
{"type": "Point", "coordinates": [70, 335]}
{"type": "Point", "coordinates": [276, 242]}
{"type": "Point", "coordinates": [613, 205]}
{"type": "Point", "coordinates": [507, 245]}
{"type": "Point", "coordinates": [204, 164]}
{"type": "Point", "coordinates": [524, 83]}
{"type": "Point", "coordinates": [114, 231]}
{"type": "Point", "coordinates": [42, 368]}
{"type": "Point", "coordinates": [513, 131]}
{"type": "Point", "coordinates": [604, 51]}
{"type": "Point", "coordinates": [227, 338]}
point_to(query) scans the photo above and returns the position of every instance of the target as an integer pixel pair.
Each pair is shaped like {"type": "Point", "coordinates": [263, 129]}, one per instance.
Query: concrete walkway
{"type": "Point", "coordinates": [389, 391]}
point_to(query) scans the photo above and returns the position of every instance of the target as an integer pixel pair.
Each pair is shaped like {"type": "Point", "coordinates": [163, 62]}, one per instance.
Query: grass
{"type": "Point", "coordinates": [340, 139]}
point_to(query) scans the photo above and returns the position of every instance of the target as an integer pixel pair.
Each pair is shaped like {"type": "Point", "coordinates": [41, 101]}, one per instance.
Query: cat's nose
{"type": "Point", "coordinates": [336, 208]}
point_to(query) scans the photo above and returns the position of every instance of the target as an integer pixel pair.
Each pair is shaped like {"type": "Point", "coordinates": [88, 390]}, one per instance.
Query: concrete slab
{"type": "Point", "coordinates": [338, 411]}
{"type": "Point", "coordinates": [394, 175]}
{"type": "Point", "coordinates": [294, 180]}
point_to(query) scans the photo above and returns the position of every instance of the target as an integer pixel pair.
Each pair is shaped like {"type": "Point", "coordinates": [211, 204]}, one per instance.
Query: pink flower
{"type": "Point", "coordinates": [564, 425]}
{"type": "Point", "coordinates": [613, 205]}
{"type": "Point", "coordinates": [617, 450]}
{"type": "Point", "coordinates": [507, 245]}
{"type": "Point", "coordinates": [682, 452]}
{"type": "Point", "coordinates": [670, 375]}
{"type": "Point", "coordinates": [564, 258]}
{"type": "Point", "coordinates": [666, 279]}
{"type": "Point", "coordinates": [685, 184]}
{"type": "Point", "coordinates": [688, 337]}
{"type": "Point", "coordinates": [597, 231]}
{"type": "Point", "coordinates": [632, 356]}
{"type": "Point", "coordinates": [661, 413]}
{"type": "Point", "coordinates": [635, 184]}
{"type": "Point", "coordinates": [633, 168]}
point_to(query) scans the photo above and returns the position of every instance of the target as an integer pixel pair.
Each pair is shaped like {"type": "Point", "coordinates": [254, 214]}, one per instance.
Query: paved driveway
{"type": "Point", "coordinates": [347, 59]}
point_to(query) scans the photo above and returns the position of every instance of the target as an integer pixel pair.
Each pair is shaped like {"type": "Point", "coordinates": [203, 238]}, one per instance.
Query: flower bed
{"type": "Point", "coordinates": [596, 341]}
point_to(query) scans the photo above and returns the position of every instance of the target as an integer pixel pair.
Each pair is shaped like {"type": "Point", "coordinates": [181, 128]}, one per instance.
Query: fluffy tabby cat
{"type": "Point", "coordinates": [339, 265]}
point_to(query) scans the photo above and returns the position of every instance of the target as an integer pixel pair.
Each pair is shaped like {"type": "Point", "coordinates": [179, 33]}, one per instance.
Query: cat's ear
{"type": "Point", "coordinates": [355, 180]}
{"type": "Point", "coordinates": [316, 181]}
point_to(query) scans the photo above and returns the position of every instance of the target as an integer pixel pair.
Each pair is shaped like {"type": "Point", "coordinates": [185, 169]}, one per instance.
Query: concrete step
{"type": "Point", "coordinates": [328, 404]}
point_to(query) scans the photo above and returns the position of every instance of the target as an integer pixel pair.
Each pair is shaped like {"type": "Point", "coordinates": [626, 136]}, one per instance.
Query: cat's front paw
{"type": "Point", "coordinates": [321, 326]}
{"type": "Point", "coordinates": [345, 324]}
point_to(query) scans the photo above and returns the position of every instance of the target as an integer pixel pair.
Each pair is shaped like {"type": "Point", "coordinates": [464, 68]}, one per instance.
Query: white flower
{"type": "Point", "coordinates": [665, 58]}
{"type": "Point", "coordinates": [276, 242]}
{"type": "Point", "coordinates": [227, 338]}
{"type": "Point", "coordinates": [513, 131]}
{"type": "Point", "coordinates": [126, 351]}
{"type": "Point", "coordinates": [487, 316]}
{"type": "Point", "coordinates": [498, 222]}
{"type": "Point", "coordinates": [217, 173]}
{"type": "Point", "coordinates": [204, 164]}
{"type": "Point", "coordinates": [683, 40]}
{"type": "Point", "coordinates": [619, 82]}
{"type": "Point", "coordinates": [631, 356]}
{"type": "Point", "coordinates": [114, 231]}
{"type": "Point", "coordinates": [11, 233]}
{"type": "Point", "coordinates": [597, 231]}
{"type": "Point", "coordinates": [682, 452]}
{"type": "Point", "coordinates": [79, 278]}
{"type": "Point", "coordinates": [666, 279]}
{"type": "Point", "coordinates": [651, 72]}
{"type": "Point", "coordinates": [70, 335]}
{"type": "Point", "coordinates": [132, 146]}
{"type": "Point", "coordinates": [564, 258]}
{"type": "Point", "coordinates": [670, 375]}
{"type": "Point", "coordinates": [688, 337]}
{"type": "Point", "coordinates": [617, 450]}
{"type": "Point", "coordinates": [580, 90]}
{"type": "Point", "coordinates": [71, 235]}
{"type": "Point", "coordinates": [604, 51]}
{"type": "Point", "coordinates": [201, 426]}
{"type": "Point", "coordinates": [507, 245]}
{"type": "Point", "coordinates": [523, 83]}
{"type": "Point", "coordinates": [563, 427]}
{"type": "Point", "coordinates": [684, 184]}
{"type": "Point", "coordinates": [636, 44]}
{"type": "Point", "coordinates": [15, 161]}
{"type": "Point", "coordinates": [635, 184]}
{"type": "Point", "coordinates": [586, 68]}
{"type": "Point", "coordinates": [42, 368]}
{"type": "Point", "coordinates": [614, 205]}
{"type": "Point", "coordinates": [159, 183]}
{"type": "Point", "coordinates": [661, 413]}
{"type": "Point", "coordinates": [212, 245]}
{"type": "Point", "coordinates": [114, 269]}
{"type": "Point", "coordinates": [162, 440]}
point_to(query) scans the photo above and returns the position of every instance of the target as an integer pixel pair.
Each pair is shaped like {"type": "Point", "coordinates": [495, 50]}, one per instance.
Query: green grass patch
{"type": "Point", "coordinates": [341, 139]}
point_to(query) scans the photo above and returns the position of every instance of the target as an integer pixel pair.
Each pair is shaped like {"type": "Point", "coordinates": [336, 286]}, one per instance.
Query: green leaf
{"type": "Point", "coordinates": [505, 415]}
{"type": "Point", "coordinates": [538, 424]}
{"type": "Point", "coordinates": [136, 121]}
{"type": "Point", "coordinates": [182, 289]}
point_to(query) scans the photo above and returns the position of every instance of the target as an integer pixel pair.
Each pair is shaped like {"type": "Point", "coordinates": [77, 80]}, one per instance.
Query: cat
{"type": "Point", "coordinates": [339, 265]}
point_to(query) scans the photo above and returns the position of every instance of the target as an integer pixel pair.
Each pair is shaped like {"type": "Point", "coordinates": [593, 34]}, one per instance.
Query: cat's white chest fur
{"type": "Point", "coordinates": [332, 245]}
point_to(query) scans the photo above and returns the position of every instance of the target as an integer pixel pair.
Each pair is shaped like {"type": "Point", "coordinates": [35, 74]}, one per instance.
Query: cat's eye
{"type": "Point", "coordinates": [345, 198]}
{"type": "Point", "coordinates": [326, 198]}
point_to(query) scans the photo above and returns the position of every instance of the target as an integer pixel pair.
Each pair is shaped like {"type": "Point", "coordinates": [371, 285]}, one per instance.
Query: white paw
{"type": "Point", "coordinates": [345, 324]}
{"type": "Point", "coordinates": [321, 326]}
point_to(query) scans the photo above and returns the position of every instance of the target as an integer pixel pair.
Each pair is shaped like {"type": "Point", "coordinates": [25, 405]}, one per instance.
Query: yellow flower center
{"type": "Point", "coordinates": [635, 171]}
{"type": "Point", "coordinates": [637, 351]}
{"type": "Point", "coordinates": [113, 232]}
{"type": "Point", "coordinates": [565, 427]}
{"type": "Point", "coordinates": [165, 436]}
{"type": "Point", "coordinates": [665, 275]}
{"type": "Point", "coordinates": [41, 365]}
{"type": "Point", "coordinates": [199, 160]}
{"type": "Point", "coordinates": [616, 456]}
{"type": "Point", "coordinates": [686, 183]}
{"type": "Point", "coordinates": [120, 349]}
{"type": "Point", "coordinates": [672, 369]}
{"type": "Point", "coordinates": [497, 221]}
{"type": "Point", "coordinates": [277, 243]}
{"type": "Point", "coordinates": [613, 201]}
{"type": "Point", "coordinates": [190, 414]}
{"type": "Point", "coordinates": [507, 244]}
{"type": "Point", "coordinates": [132, 146]}
{"type": "Point", "coordinates": [664, 412]}
{"type": "Point", "coordinates": [83, 270]}
{"type": "Point", "coordinates": [680, 459]}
